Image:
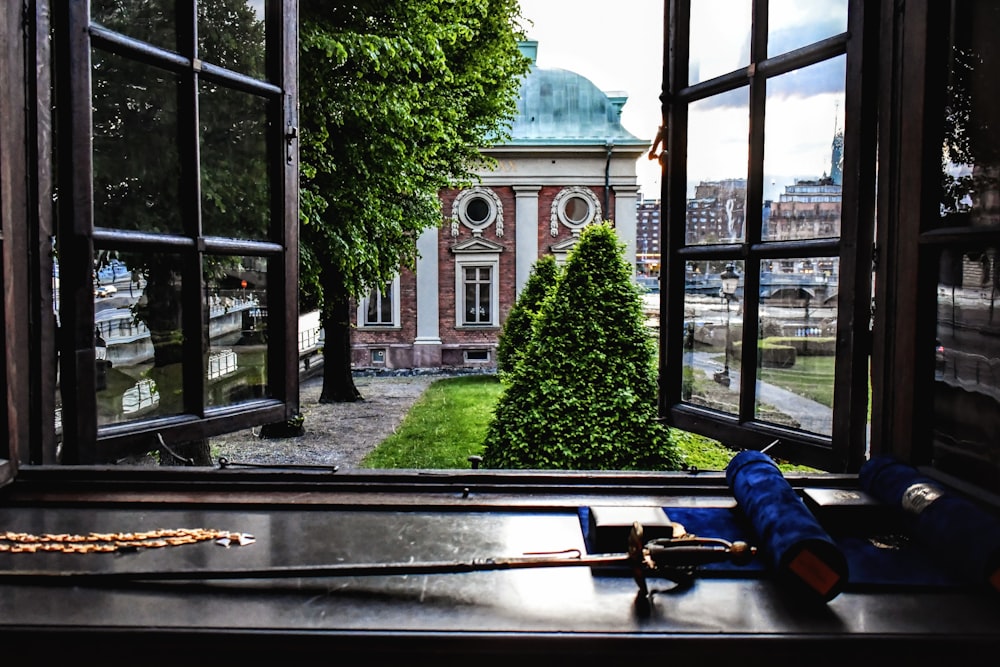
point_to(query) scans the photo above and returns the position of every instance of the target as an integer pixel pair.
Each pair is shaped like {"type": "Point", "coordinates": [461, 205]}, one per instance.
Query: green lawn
{"type": "Point", "coordinates": [811, 377]}
{"type": "Point", "coordinates": [448, 424]}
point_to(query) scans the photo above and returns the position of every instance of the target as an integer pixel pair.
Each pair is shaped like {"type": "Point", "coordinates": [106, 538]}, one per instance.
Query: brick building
{"type": "Point", "coordinates": [568, 163]}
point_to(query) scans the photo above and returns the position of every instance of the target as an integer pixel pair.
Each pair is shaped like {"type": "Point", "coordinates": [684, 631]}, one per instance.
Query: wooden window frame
{"type": "Point", "coordinates": [83, 441]}
{"type": "Point", "coordinates": [845, 448]}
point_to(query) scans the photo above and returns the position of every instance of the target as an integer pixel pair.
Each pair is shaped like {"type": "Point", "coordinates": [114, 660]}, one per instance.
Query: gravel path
{"type": "Point", "coordinates": [337, 434]}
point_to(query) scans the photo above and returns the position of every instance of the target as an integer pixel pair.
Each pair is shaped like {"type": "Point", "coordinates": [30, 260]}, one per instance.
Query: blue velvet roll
{"type": "Point", "coordinates": [798, 548]}
{"type": "Point", "coordinates": [956, 530]}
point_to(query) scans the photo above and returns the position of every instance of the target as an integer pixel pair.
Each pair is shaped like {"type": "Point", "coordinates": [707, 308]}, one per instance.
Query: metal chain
{"type": "Point", "coordinates": [109, 542]}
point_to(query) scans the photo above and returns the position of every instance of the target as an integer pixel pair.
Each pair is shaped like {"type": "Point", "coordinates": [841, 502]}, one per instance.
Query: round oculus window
{"type": "Point", "coordinates": [577, 210]}
{"type": "Point", "coordinates": [478, 210]}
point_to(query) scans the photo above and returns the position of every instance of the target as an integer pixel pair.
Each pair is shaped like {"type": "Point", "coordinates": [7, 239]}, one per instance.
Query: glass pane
{"type": "Point", "coordinates": [718, 128]}
{"type": "Point", "coordinates": [971, 151]}
{"type": "Point", "coordinates": [153, 22]}
{"type": "Point", "coordinates": [236, 296]}
{"type": "Point", "coordinates": [484, 296]}
{"type": "Point", "coordinates": [804, 151]}
{"type": "Point", "coordinates": [797, 343]}
{"type": "Point", "coordinates": [720, 38]}
{"type": "Point", "coordinates": [792, 24]}
{"type": "Point", "coordinates": [136, 165]}
{"type": "Point", "coordinates": [967, 364]}
{"type": "Point", "coordinates": [139, 344]}
{"type": "Point", "coordinates": [235, 201]}
{"type": "Point", "coordinates": [713, 325]}
{"type": "Point", "coordinates": [231, 34]}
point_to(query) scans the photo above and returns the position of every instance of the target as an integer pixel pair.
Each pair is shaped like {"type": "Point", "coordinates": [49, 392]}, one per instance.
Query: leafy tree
{"type": "Point", "coordinates": [396, 99]}
{"type": "Point", "coordinates": [517, 329]}
{"type": "Point", "coordinates": [583, 394]}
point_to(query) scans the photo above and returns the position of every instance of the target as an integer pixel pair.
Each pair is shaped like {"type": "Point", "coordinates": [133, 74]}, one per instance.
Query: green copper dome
{"type": "Point", "coordinates": [561, 107]}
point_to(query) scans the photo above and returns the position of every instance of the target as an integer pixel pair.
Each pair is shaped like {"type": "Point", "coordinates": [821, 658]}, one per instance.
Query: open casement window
{"type": "Point", "coordinates": [936, 364]}
{"type": "Point", "coordinates": [768, 241]}
{"type": "Point", "coordinates": [174, 267]}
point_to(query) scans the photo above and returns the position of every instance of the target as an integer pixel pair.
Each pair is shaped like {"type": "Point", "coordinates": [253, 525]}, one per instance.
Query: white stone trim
{"type": "Point", "coordinates": [363, 309]}
{"type": "Point", "coordinates": [558, 211]}
{"type": "Point", "coordinates": [459, 211]}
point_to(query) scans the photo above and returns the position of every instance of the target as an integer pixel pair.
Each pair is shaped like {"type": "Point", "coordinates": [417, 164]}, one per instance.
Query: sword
{"type": "Point", "coordinates": [673, 558]}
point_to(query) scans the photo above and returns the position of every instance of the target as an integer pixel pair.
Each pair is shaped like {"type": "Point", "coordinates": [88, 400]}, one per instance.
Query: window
{"type": "Point", "coordinates": [380, 309]}
{"type": "Point", "coordinates": [477, 294]}
{"type": "Point", "coordinates": [939, 279]}
{"type": "Point", "coordinates": [477, 208]}
{"type": "Point", "coordinates": [477, 297]}
{"type": "Point", "coordinates": [174, 300]}
{"type": "Point", "coordinates": [736, 207]}
{"type": "Point", "coordinates": [574, 208]}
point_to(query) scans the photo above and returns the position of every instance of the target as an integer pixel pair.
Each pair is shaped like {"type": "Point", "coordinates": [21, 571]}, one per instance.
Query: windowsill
{"type": "Point", "coordinates": [406, 516]}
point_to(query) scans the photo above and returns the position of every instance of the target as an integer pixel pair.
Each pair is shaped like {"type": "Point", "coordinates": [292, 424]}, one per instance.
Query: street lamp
{"type": "Point", "coordinates": [730, 281]}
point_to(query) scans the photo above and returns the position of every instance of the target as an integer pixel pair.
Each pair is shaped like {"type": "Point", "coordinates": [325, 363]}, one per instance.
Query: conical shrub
{"type": "Point", "coordinates": [582, 395]}
{"type": "Point", "coordinates": [517, 329]}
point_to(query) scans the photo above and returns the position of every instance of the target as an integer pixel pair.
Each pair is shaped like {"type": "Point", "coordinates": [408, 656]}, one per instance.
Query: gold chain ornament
{"type": "Point", "coordinates": [109, 542]}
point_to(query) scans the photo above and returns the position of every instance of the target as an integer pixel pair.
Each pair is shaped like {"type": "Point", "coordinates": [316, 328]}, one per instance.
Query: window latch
{"type": "Point", "coordinates": [291, 135]}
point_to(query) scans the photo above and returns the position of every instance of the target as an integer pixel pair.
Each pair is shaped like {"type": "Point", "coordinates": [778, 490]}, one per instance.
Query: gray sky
{"type": "Point", "coordinates": [618, 45]}
{"type": "Point", "coordinates": [620, 49]}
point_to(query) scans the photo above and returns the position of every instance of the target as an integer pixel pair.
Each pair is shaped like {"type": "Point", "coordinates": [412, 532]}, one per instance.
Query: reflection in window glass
{"type": "Point", "coordinates": [713, 325]}
{"type": "Point", "coordinates": [577, 210]}
{"type": "Point", "coordinates": [792, 24]}
{"type": "Point", "coordinates": [803, 156]}
{"type": "Point", "coordinates": [136, 163]}
{"type": "Point", "coordinates": [138, 340]}
{"type": "Point", "coordinates": [967, 363]}
{"type": "Point", "coordinates": [235, 202]}
{"type": "Point", "coordinates": [153, 21]}
{"type": "Point", "coordinates": [966, 394]}
{"type": "Point", "coordinates": [236, 298]}
{"type": "Point", "coordinates": [797, 342]}
{"type": "Point", "coordinates": [231, 34]}
{"type": "Point", "coordinates": [379, 307]}
{"type": "Point", "coordinates": [717, 169]}
{"type": "Point", "coordinates": [718, 46]}
{"type": "Point", "coordinates": [478, 297]}
{"type": "Point", "coordinates": [971, 148]}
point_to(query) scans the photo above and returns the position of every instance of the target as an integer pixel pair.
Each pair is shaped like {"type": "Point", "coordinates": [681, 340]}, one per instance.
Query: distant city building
{"type": "Point", "coordinates": [647, 237]}
{"type": "Point", "coordinates": [717, 212]}
{"type": "Point", "coordinates": [569, 162]}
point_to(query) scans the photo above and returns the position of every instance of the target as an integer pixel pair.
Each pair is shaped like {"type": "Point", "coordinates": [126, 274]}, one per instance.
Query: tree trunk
{"type": "Point", "coordinates": [338, 380]}
{"type": "Point", "coordinates": [160, 308]}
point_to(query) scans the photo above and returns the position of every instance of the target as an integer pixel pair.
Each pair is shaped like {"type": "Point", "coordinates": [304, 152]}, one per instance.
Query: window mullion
{"type": "Point", "coordinates": [194, 316]}
{"type": "Point", "coordinates": [76, 339]}
{"type": "Point", "coordinates": [753, 208]}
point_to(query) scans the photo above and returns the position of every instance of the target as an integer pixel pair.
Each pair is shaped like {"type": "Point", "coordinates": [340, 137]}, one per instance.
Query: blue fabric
{"type": "Point", "coordinates": [786, 529]}
{"type": "Point", "coordinates": [962, 535]}
{"type": "Point", "coordinates": [871, 565]}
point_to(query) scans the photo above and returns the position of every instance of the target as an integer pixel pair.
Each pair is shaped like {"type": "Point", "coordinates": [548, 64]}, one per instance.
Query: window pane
{"type": "Point", "coordinates": [717, 169]}
{"type": "Point", "coordinates": [718, 46]}
{"type": "Point", "coordinates": [151, 21]}
{"type": "Point", "coordinates": [136, 164]}
{"type": "Point", "coordinates": [967, 363]}
{"type": "Point", "coordinates": [231, 34]}
{"type": "Point", "coordinates": [235, 201]}
{"type": "Point", "coordinates": [971, 148]}
{"type": "Point", "coordinates": [139, 326]}
{"type": "Point", "coordinates": [713, 324]}
{"type": "Point", "coordinates": [236, 296]}
{"type": "Point", "coordinates": [797, 343]}
{"type": "Point", "coordinates": [792, 24]}
{"type": "Point", "coordinates": [803, 156]}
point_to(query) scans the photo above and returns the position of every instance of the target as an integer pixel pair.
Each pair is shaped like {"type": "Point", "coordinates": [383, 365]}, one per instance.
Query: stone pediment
{"type": "Point", "coordinates": [565, 245]}
{"type": "Point", "coordinates": [477, 244]}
